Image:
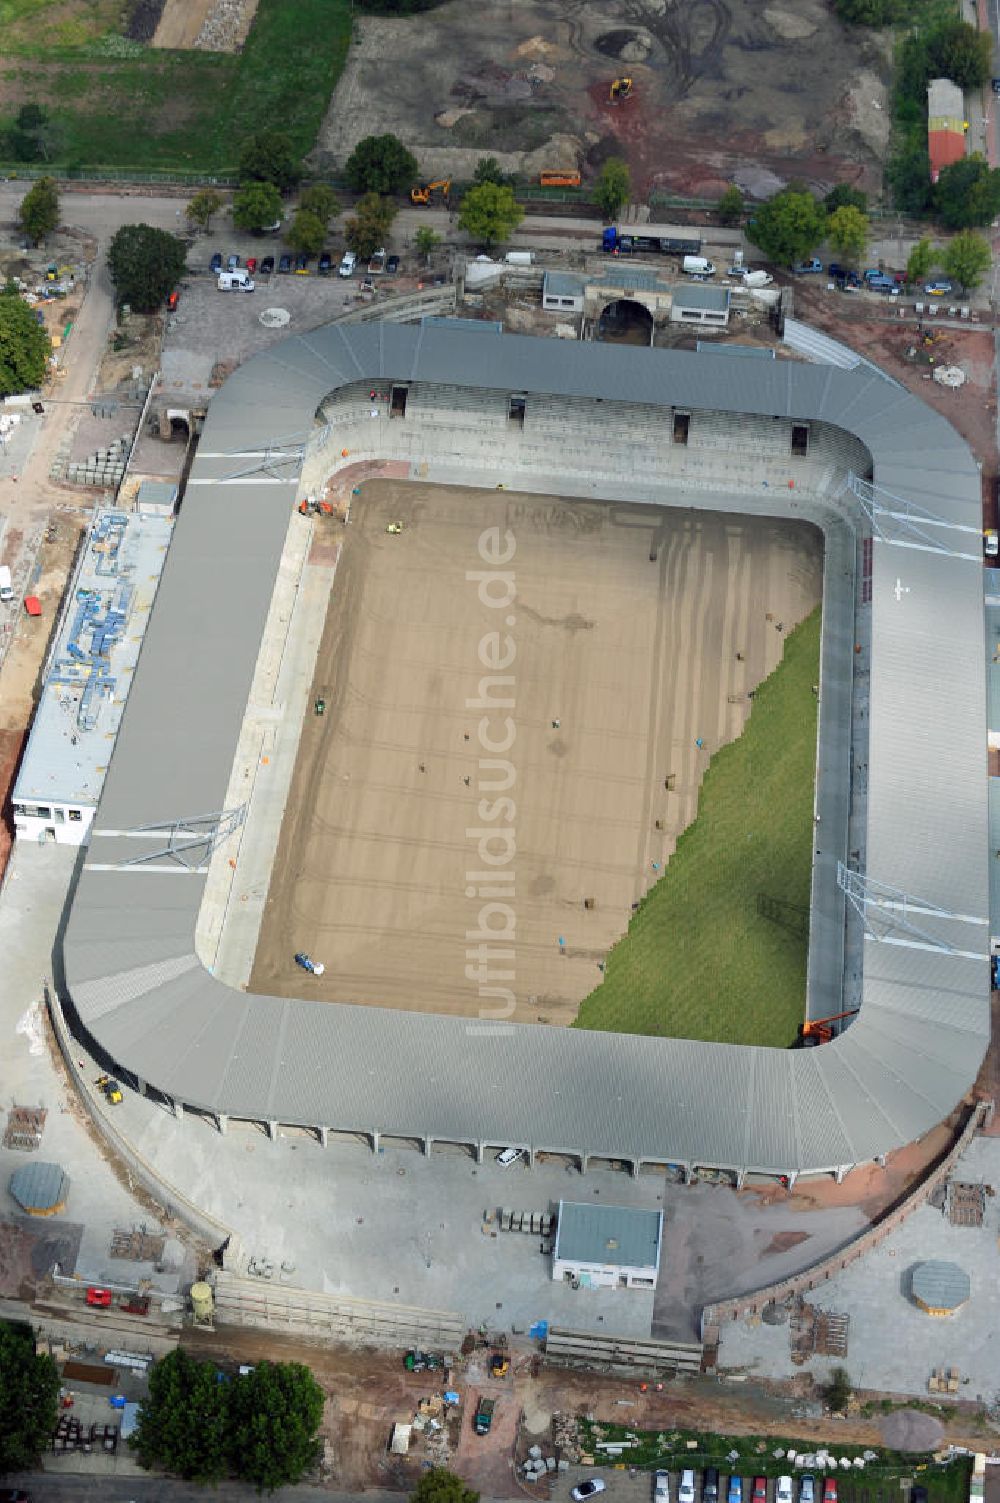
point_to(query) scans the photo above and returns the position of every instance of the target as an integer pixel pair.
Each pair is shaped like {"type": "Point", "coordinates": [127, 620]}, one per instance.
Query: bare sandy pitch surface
{"type": "Point", "coordinates": [636, 661]}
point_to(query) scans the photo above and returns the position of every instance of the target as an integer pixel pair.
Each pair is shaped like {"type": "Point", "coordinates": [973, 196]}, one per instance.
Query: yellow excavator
{"type": "Point", "coordinates": [423, 192]}
{"type": "Point", "coordinates": [621, 88]}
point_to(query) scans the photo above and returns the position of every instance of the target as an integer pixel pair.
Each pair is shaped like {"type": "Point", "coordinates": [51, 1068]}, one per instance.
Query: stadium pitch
{"type": "Point", "coordinates": [610, 650]}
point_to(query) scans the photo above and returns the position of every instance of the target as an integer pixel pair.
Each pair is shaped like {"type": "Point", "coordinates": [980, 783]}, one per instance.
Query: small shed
{"type": "Point", "coordinates": [607, 1247]}
{"type": "Point", "coordinates": [156, 498]}
{"type": "Point", "coordinates": [40, 1189]}
{"type": "Point", "coordinates": [700, 304]}
{"type": "Point", "coordinates": [940, 1288]}
{"type": "Point", "coordinates": [562, 292]}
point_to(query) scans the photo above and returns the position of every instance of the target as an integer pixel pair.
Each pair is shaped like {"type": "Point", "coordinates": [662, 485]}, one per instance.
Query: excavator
{"type": "Point", "coordinates": [621, 88]}
{"type": "Point", "coordinates": [423, 192]}
{"type": "Point", "coordinates": [820, 1030]}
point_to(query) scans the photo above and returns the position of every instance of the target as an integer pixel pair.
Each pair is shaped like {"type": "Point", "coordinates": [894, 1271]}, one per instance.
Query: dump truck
{"type": "Point", "coordinates": [484, 1416]}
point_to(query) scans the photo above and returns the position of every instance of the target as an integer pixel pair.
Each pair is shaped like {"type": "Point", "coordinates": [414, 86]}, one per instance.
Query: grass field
{"type": "Point", "coordinates": [699, 960]}
{"type": "Point", "coordinates": [121, 104]}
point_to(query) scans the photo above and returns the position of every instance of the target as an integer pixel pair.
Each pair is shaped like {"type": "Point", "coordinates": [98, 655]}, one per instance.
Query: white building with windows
{"type": "Point", "coordinates": [607, 1247]}
{"type": "Point", "coordinates": [87, 676]}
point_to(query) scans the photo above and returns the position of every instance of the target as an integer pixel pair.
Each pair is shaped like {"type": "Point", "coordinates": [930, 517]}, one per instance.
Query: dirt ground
{"type": "Point", "coordinates": [724, 90]}
{"type": "Point", "coordinates": [368, 1391]}
{"type": "Point", "coordinates": [619, 667]}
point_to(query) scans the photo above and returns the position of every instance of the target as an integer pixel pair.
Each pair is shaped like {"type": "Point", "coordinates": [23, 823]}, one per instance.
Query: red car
{"type": "Point", "coordinates": [173, 300]}
{"type": "Point", "coordinates": [829, 1490]}
{"type": "Point", "coordinates": [251, 264]}
{"type": "Point", "coordinates": [99, 1297]}
{"type": "Point", "coordinates": [760, 1490]}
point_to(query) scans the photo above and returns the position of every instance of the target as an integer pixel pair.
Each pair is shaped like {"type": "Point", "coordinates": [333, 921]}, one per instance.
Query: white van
{"type": "Point", "coordinates": [685, 1493]}
{"type": "Point", "coordinates": [6, 589]}
{"type": "Point", "coordinates": [698, 266]}
{"type": "Point", "coordinates": [236, 281]}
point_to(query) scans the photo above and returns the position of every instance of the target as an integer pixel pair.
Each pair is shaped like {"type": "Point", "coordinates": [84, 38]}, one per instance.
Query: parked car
{"type": "Point", "coordinates": [232, 262]}
{"type": "Point", "coordinates": [735, 1494]}
{"type": "Point", "coordinates": [173, 300]}
{"type": "Point", "coordinates": [508, 1156]}
{"type": "Point", "coordinates": [918, 1494]}
{"type": "Point", "coordinates": [285, 264]}
{"type": "Point", "coordinates": [685, 1493]}
{"type": "Point", "coordinates": [760, 1490]}
{"type": "Point", "coordinates": [267, 266]}
{"type": "Point", "coordinates": [215, 265]}
{"type": "Point", "coordinates": [661, 1487]}
{"type": "Point", "coordinates": [392, 266]}
{"type": "Point", "coordinates": [325, 264]}
{"type": "Point", "coordinates": [251, 264]}
{"type": "Point", "coordinates": [829, 1490]}
{"type": "Point", "coordinates": [783, 1490]}
{"type": "Point", "coordinates": [376, 263]}
{"type": "Point", "coordinates": [836, 271]}
{"type": "Point", "coordinates": [807, 1488]}
{"type": "Point", "coordinates": [807, 268]}
{"type": "Point", "coordinates": [710, 1485]}
{"type": "Point", "coordinates": [588, 1489]}
{"type": "Point", "coordinates": [100, 1298]}
{"type": "Point", "coordinates": [939, 288]}
{"type": "Point", "coordinates": [302, 264]}
{"type": "Point", "coordinates": [881, 281]}
{"type": "Point", "coordinates": [347, 265]}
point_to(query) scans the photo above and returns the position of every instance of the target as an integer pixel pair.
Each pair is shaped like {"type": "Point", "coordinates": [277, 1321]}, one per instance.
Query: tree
{"type": "Point", "coordinates": [966, 259]}
{"type": "Point", "coordinates": [206, 203]}
{"type": "Point", "coordinates": [367, 230]}
{"type": "Point", "coordinates": [320, 200]}
{"type": "Point", "coordinates": [269, 157]}
{"type": "Point", "coordinates": [257, 206]}
{"type": "Point", "coordinates": [909, 174]}
{"type": "Point", "coordinates": [730, 206]}
{"type": "Point", "coordinates": [306, 233]}
{"type": "Point", "coordinates": [438, 1485]}
{"type": "Point", "coordinates": [838, 1391]}
{"type": "Point", "coordinates": [24, 348]}
{"type": "Point", "coordinates": [921, 258]}
{"type": "Point", "coordinates": [872, 12]}
{"type": "Point", "coordinates": [145, 264]}
{"type": "Point", "coordinates": [35, 136]}
{"type": "Point", "coordinates": [490, 214]}
{"type": "Point", "coordinates": [967, 193]}
{"type": "Point", "coordinates": [39, 211]}
{"type": "Point", "coordinates": [184, 1424]}
{"type": "Point", "coordinates": [488, 170]}
{"type": "Point", "coordinates": [847, 232]}
{"type": "Point", "coordinates": [29, 1381]}
{"type": "Point", "coordinates": [842, 196]}
{"type": "Point", "coordinates": [613, 187]}
{"type": "Point", "coordinates": [380, 164]}
{"type": "Point", "coordinates": [276, 1413]}
{"type": "Point", "coordinates": [425, 240]}
{"type": "Point", "coordinates": [956, 50]}
{"type": "Point", "coordinates": [788, 227]}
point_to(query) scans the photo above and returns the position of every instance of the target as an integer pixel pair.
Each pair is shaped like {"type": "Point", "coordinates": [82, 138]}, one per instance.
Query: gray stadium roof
{"type": "Point", "coordinates": [40, 1189]}
{"type": "Point", "coordinates": [624, 1236]}
{"type": "Point", "coordinates": [130, 965]}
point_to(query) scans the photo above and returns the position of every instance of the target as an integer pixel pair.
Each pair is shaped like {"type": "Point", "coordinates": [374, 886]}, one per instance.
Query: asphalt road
{"type": "Point", "coordinates": [70, 1487]}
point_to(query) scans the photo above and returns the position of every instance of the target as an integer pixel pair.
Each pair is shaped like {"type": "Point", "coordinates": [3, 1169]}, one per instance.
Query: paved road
{"type": "Point", "coordinates": [69, 1487]}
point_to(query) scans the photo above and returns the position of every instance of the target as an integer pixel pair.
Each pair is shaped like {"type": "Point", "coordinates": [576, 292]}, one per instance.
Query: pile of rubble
{"type": "Point", "coordinates": [566, 1437]}
{"type": "Point", "coordinates": [537, 1465]}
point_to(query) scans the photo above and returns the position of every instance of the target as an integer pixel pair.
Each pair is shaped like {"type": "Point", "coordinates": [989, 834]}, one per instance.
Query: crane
{"type": "Point", "coordinates": [819, 1030]}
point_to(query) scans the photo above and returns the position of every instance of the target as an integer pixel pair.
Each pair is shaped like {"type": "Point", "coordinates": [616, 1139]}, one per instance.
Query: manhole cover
{"type": "Point", "coordinates": [275, 318]}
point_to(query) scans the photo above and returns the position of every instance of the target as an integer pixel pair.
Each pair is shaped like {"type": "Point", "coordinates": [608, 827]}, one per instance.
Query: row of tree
{"type": "Point", "coordinates": [200, 1424]}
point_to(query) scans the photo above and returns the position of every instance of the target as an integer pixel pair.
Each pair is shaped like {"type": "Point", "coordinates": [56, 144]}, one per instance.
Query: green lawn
{"type": "Point", "coordinates": [700, 960]}
{"type": "Point", "coordinates": [120, 104]}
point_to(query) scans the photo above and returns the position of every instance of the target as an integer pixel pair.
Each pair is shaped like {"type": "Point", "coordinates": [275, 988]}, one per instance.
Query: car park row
{"type": "Point", "coordinates": [783, 1490]}
{"type": "Point", "coordinates": [267, 265]}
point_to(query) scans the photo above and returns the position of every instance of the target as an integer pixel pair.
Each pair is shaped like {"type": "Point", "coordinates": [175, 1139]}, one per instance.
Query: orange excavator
{"type": "Point", "coordinates": [424, 192]}
{"type": "Point", "coordinates": [820, 1030]}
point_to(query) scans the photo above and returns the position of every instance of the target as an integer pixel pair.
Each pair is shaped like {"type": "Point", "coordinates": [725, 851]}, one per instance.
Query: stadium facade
{"type": "Point", "coordinates": [849, 450]}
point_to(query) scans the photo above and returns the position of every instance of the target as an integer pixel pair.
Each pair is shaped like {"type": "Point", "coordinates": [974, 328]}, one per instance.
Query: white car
{"type": "Point", "coordinates": [783, 1491]}
{"type": "Point", "coordinates": [661, 1487]}
{"type": "Point", "coordinates": [588, 1489]}
{"type": "Point", "coordinates": [685, 1493]}
{"type": "Point", "coordinates": [347, 265]}
{"type": "Point", "coordinates": [505, 1158]}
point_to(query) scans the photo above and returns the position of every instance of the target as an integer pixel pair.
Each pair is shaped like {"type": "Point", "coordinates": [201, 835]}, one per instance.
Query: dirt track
{"type": "Point", "coordinates": [620, 666]}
